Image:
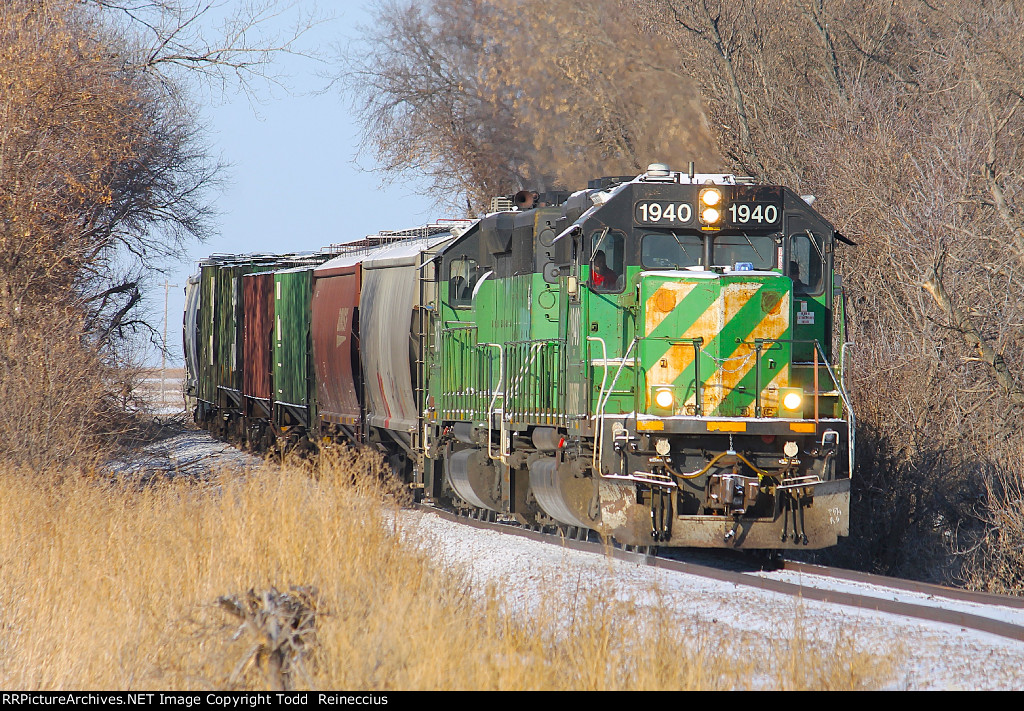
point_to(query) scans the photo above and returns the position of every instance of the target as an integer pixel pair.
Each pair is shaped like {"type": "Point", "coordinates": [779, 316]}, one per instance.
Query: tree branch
{"type": "Point", "coordinates": [961, 323]}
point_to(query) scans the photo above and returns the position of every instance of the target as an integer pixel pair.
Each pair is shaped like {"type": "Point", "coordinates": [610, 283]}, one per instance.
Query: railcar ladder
{"type": "Point", "coordinates": [420, 437]}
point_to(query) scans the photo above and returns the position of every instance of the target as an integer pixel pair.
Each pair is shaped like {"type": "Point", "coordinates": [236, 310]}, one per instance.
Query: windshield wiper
{"type": "Point", "coordinates": [810, 236]}
{"type": "Point", "coordinates": [679, 266]}
{"type": "Point", "coordinates": [752, 246]}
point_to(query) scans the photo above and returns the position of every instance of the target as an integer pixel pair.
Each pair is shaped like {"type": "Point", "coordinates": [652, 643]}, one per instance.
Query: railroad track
{"type": "Point", "coordinates": [1000, 615]}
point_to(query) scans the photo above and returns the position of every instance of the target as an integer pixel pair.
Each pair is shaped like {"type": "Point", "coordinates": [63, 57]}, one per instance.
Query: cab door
{"type": "Point", "coordinates": [608, 325]}
{"type": "Point", "coordinates": [808, 264]}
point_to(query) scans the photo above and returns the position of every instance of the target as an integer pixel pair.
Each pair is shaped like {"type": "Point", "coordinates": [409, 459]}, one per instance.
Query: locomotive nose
{"type": "Point", "coordinates": [713, 342]}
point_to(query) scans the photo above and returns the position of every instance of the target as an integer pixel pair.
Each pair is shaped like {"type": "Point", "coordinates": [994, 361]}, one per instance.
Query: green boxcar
{"type": "Point", "coordinates": [293, 391]}
{"type": "Point", "coordinates": [228, 332]}
{"type": "Point", "coordinates": [206, 375]}
{"type": "Point", "coordinates": [228, 345]}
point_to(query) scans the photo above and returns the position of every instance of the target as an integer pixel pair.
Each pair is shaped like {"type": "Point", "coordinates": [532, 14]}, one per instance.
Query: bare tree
{"type": "Point", "coordinates": [232, 50]}
{"type": "Point", "coordinates": [104, 176]}
{"type": "Point", "coordinates": [483, 98]}
{"type": "Point", "coordinates": [423, 102]}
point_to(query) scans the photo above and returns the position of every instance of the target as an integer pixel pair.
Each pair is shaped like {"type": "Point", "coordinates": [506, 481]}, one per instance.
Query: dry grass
{"type": "Point", "coordinates": [117, 586]}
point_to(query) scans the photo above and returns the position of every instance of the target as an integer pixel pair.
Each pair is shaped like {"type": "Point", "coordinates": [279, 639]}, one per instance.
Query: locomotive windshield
{"type": "Point", "coordinates": [759, 250]}
{"type": "Point", "coordinates": [669, 250]}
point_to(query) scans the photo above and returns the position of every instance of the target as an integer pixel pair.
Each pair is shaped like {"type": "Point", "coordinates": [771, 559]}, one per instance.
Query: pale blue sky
{"type": "Point", "coordinates": [293, 184]}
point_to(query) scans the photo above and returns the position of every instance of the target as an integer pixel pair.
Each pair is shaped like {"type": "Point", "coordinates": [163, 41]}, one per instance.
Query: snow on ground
{"type": "Point", "coordinates": [185, 451]}
{"type": "Point", "coordinates": [935, 656]}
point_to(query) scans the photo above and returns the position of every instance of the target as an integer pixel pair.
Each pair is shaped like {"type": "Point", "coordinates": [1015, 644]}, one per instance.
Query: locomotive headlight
{"type": "Point", "coordinates": [663, 398]}
{"type": "Point", "coordinates": [711, 200]}
{"type": "Point", "coordinates": [791, 402]}
{"type": "Point", "coordinates": [711, 197]}
{"type": "Point", "coordinates": [710, 215]}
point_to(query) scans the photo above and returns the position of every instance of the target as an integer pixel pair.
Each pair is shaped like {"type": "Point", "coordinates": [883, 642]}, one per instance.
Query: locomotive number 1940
{"type": "Point", "coordinates": [651, 213]}
{"type": "Point", "coordinates": [741, 213]}
{"type": "Point", "coordinates": [663, 214]}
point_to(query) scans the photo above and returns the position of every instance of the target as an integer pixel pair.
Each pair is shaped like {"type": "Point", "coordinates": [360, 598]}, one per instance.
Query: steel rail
{"type": "Point", "coordinates": [960, 595]}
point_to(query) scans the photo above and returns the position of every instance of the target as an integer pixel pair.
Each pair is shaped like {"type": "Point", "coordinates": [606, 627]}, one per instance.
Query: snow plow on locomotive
{"type": "Point", "coordinates": [656, 358]}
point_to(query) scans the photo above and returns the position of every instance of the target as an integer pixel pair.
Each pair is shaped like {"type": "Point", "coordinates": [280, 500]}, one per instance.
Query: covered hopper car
{"type": "Point", "coordinates": [657, 358]}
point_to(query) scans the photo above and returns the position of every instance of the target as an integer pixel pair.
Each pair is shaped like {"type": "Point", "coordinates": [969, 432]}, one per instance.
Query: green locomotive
{"type": "Point", "coordinates": [656, 358]}
{"type": "Point", "coordinates": [652, 358]}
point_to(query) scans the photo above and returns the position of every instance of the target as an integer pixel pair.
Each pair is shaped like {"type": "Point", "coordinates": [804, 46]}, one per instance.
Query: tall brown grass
{"type": "Point", "coordinates": [114, 585]}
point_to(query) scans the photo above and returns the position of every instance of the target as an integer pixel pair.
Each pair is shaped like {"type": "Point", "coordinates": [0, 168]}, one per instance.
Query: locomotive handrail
{"type": "Point", "coordinates": [758, 349]}
{"type": "Point", "coordinates": [697, 386]}
{"type": "Point", "coordinates": [851, 417]}
{"type": "Point", "coordinates": [818, 350]}
{"type": "Point", "coordinates": [604, 363]}
{"type": "Point", "coordinates": [604, 379]}
{"type": "Point", "coordinates": [842, 360]}
{"type": "Point", "coordinates": [534, 341]}
{"type": "Point", "coordinates": [469, 400]}
{"type": "Point", "coordinates": [520, 376]}
{"type": "Point", "coordinates": [851, 425]}
{"type": "Point", "coordinates": [516, 376]}
{"type": "Point", "coordinates": [499, 392]}
{"type": "Point", "coordinates": [601, 403]}
{"type": "Point", "coordinates": [851, 428]}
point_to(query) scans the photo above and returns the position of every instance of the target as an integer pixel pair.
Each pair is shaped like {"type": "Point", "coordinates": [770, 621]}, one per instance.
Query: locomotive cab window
{"type": "Point", "coordinates": [806, 263]}
{"type": "Point", "coordinates": [669, 250]}
{"type": "Point", "coordinates": [758, 250]}
{"type": "Point", "coordinates": [463, 274]}
{"type": "Point", "coordinates": [606, 261]}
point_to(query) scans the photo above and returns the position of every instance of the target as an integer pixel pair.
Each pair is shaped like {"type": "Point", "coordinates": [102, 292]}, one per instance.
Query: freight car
{"type": "Point", "coordinates": [656, 358]}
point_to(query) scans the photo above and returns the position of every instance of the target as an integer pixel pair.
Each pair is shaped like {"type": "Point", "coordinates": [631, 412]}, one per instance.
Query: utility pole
{"type": "Point", "coordinates": [163, 350]}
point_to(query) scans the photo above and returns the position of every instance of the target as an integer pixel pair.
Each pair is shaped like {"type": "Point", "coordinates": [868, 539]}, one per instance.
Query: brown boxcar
{"type": "Point", "coordinates": [335, 343]}
{"type": "Point", "coordinates": [257, 387]}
